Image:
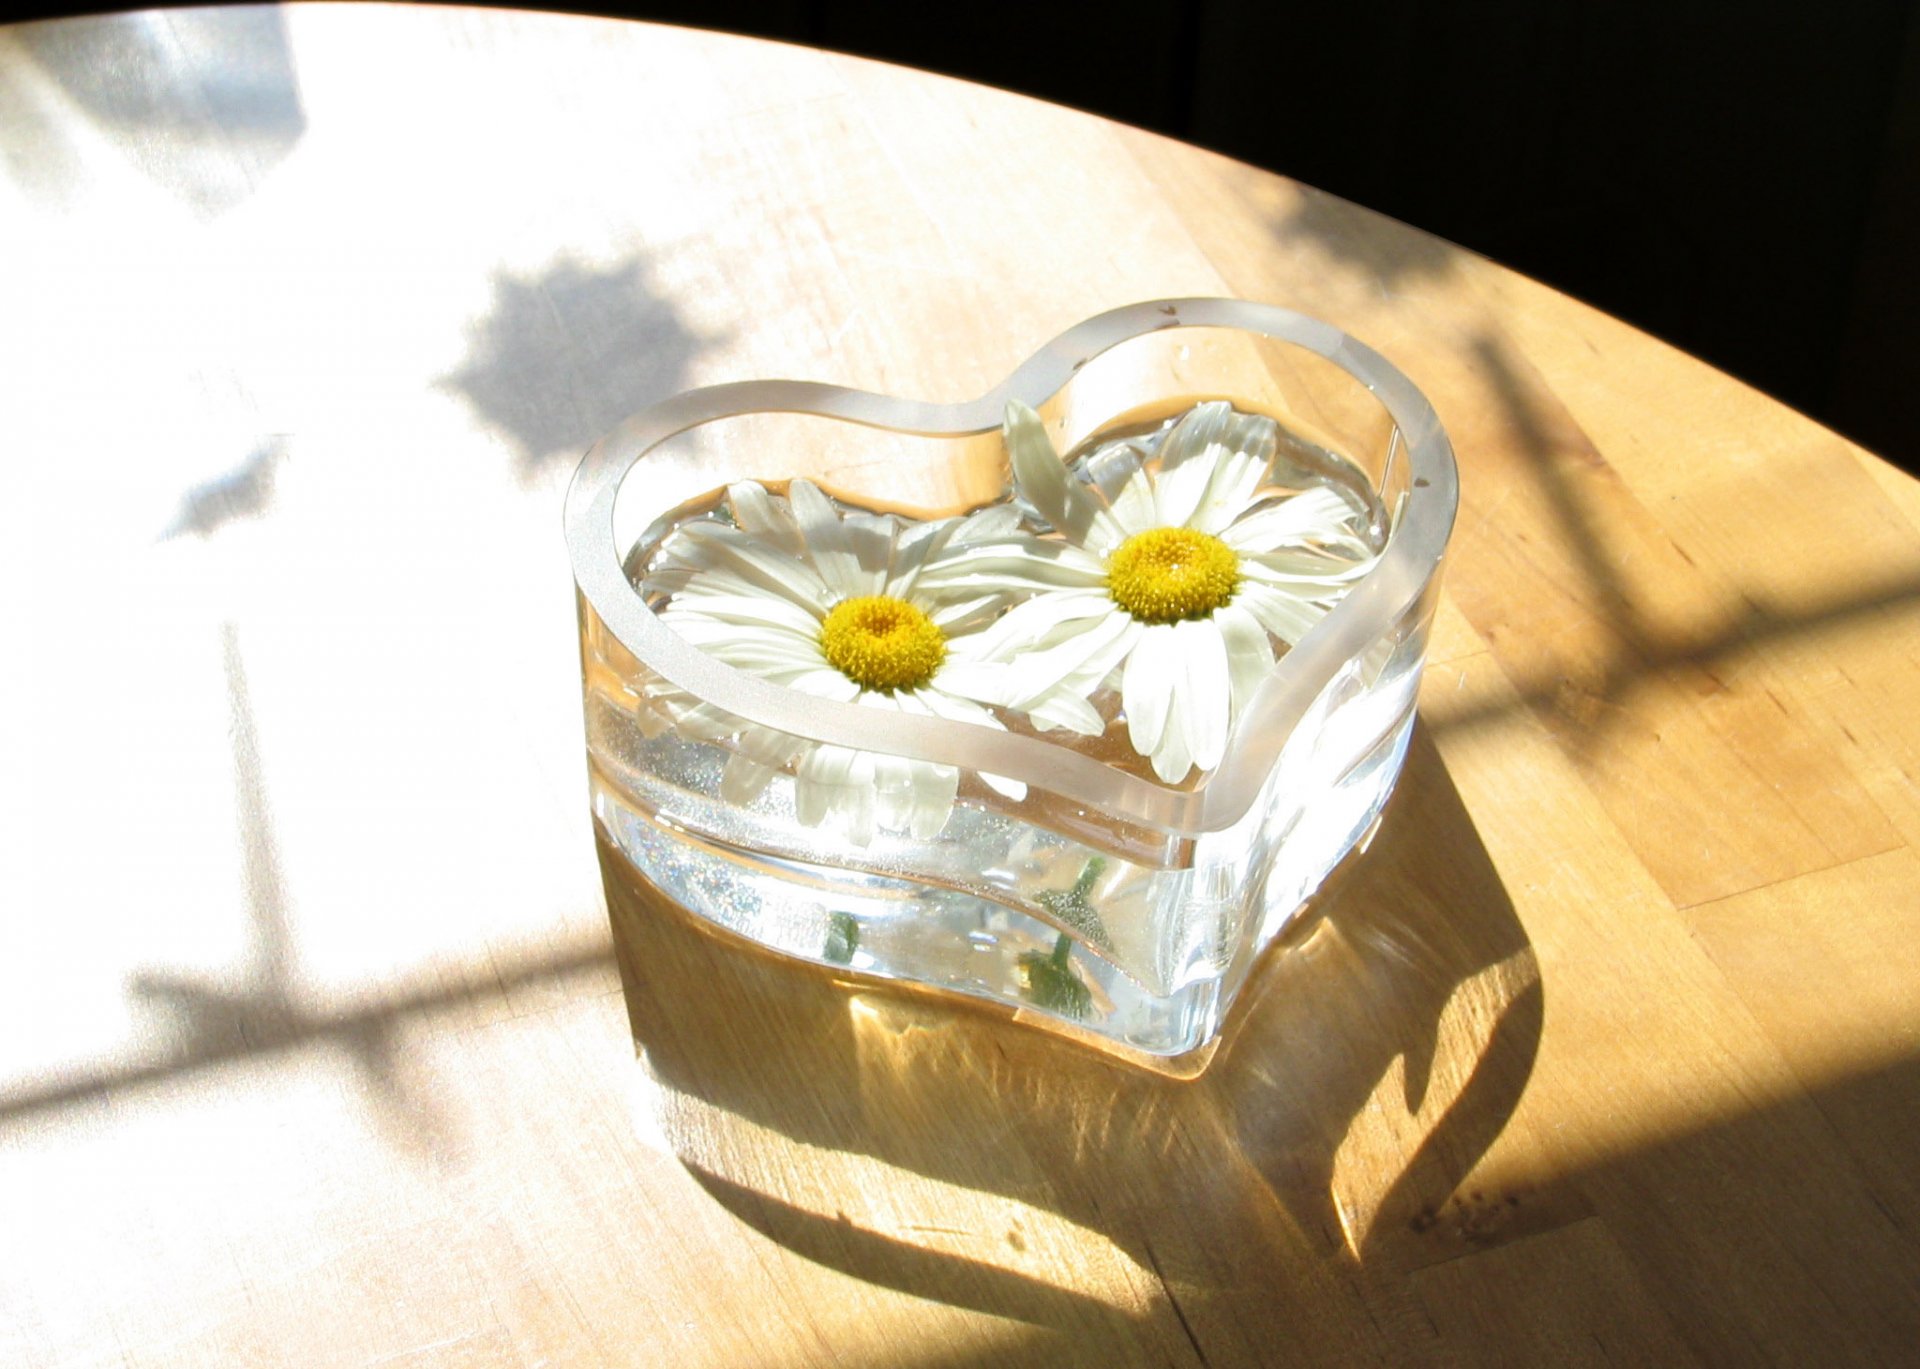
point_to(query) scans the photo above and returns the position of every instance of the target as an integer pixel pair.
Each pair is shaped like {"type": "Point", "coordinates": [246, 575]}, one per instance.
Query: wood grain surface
{"type": "Point", "coordinates": [325, 1039]}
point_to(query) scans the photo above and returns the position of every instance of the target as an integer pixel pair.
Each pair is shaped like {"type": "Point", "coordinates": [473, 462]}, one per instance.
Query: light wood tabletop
{"type": "Point", "coordinates": [330, 1036]}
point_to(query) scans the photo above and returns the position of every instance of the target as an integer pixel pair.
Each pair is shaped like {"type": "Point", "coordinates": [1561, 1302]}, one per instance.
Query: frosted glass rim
{"type": "Point", "coordinates": [1370, 609]}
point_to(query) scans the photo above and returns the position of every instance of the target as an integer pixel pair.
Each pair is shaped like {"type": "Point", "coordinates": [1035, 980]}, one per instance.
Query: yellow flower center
{"type": "Point", "coordinates": [1167, 575]}
{"type": "Point", "coordinates": [882, 643]}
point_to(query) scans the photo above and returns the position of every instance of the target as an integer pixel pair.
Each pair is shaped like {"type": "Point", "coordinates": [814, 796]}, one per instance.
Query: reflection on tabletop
{"type": "Point", "coordinates": [951, 1154]}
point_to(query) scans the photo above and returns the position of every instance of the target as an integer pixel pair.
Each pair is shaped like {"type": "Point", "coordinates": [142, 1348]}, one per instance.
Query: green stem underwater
{"type": "Point", "coordinates": [1084, 885]}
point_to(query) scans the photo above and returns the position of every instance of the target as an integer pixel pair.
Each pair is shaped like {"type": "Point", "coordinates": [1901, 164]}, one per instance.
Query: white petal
{"type": "Point", "coordinates": [1199, 429]}
{"type": "Point", "coordinates": [1172, 758]}
{"type": "Point", "coordinates": [1133, 507]}
{"type": "Point", "coordinates": [892, 790]}
{"type": "Point", "coordinates": [1205, 701]}
{"type": "Point", "coordinates": [775, 750]}
{"type": "Point", "coordinates": [1000, 784]}
{"type": "Point", "coordinates": [702, 721]}
{"type": "Point", "coordinates": [825, 682]}
{"type": "Point", "coordinates": [1177, 492]}
{"type": "Point", "coordinates": [836, 785]}
{"type": "Point", "coordinates": [992, 524]}
{"type": "Point", "coordinates": [1015, 567]}
{"type": "Point", "coordinates": [909, 551]}
{"type": "Point", "coordinates": [1100, 670]}
{"type": "Point", "coordinates": [1284, 615]}
{"type": "Point", "coordinates": [822, 775]}
{"type": "Point", "coordinates": [1035, 623]}
{"type": "Point", "coordinates": [1043, 480]}
{"type": "Point", "coordinates": [756, 651]}
{"type": "Point", "coordinates": [855, 803]}
{"type": "Point", "coordinates": [957, 616]}
{"type": "Point", "coordinates": [1231, 489]}
{"type": "Point", "coordinates": [934, 789]}
{"type": "Point", "coordinates": [711, 546]}
{"type": "Point", "coordinates": [937, 703]}
{"type": "Point", "coordinates": [827, 542]}
{"type": "Point", "coordinates": [878, 786]}
{"type": "Point", "coordinates": [1034, 673]}
{"type": "Point", "coordinates": [1210, 463]}
{"type": "Point", "coordinates": [744, 779]}
{"type": "Point", "coordinates": [1065, 708]}
{"type": "Point", "coordinates": [1111, 466]}
{"type": "Point", "coordinates": [765, 517]}
{"type": "Point", "coordinates": [943, 705]}
{"type": "Point", "coordinates": [1304, 569]}
{"type": "Point", "coordinates": [651, 717]}
{"type": "Point", "coordinates": [1247, 444]}
{"type": "Point", "coordinates": [1249, 653]}
{"type": "Point", "coordinates": [685, 582]}
{"type": "Point", "coordinates": [1317, 513]}
{"type": "Point", "coordinates": [760, 609]}
{"type": "Point", "coordinates": [872, 538]}
{"type": "Point", "coordinates": [1146, 688]}
{"type": "Point", "coordinates": [982, 681]}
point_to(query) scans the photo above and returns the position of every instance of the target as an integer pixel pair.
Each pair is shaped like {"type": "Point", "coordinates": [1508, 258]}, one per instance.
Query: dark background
{"type": "Point", "coordinates": [1739, 177]}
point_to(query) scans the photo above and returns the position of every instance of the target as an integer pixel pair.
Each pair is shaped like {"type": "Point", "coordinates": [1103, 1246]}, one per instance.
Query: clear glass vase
{"type": "Point", "coordinates": [1101, 902]}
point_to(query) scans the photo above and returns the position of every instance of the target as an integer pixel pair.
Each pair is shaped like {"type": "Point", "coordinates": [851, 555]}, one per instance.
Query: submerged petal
{"type": "Point", "coordinates": [941, 704]}
{"type": "Point", "coordinates": [855, 803]}
{"type": "Point", "coordinates": [822, 774]}
{"type": "Point", "coordinates": [744, 779]}
{"type": "Point", "coordinates": [935, 787]}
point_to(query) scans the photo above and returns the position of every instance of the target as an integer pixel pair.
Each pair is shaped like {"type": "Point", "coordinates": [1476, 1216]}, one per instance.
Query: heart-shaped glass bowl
{"type": "Point", "coordinates": [1103, 902]}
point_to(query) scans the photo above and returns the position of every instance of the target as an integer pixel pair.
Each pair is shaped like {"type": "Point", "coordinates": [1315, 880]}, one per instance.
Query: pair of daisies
{"type": "Point", "coordinates": [1172, 569]}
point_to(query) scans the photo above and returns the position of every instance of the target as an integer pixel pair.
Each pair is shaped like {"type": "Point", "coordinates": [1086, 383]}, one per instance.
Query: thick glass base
{"type": "Point", "coordinates": [1143, 960]}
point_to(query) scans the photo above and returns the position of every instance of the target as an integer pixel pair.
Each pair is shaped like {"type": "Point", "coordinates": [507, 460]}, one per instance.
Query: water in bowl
{"type": "Point", "coordinates": [1134, 937]}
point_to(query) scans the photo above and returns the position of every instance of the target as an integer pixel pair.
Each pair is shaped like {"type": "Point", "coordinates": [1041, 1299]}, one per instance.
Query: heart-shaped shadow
{"type": "Point", "coordinates": [947, 1152]}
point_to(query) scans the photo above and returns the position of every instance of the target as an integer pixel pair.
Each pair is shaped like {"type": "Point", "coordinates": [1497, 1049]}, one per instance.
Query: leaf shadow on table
{"type": "Point", "coordinates": [568, 352]}
{"type": "Point", "coordinates": [236, 495]}
{"type": "Point", "coordinates": [950, 1154]}
{"type": "Point", "coordinates": [1357, 237]}
{"type": "Point", "coordinates": [205, 103]}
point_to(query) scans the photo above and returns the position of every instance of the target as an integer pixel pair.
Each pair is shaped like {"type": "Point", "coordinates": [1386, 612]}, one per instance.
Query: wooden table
{"type": "Point", "coordinates": [324, 1037]}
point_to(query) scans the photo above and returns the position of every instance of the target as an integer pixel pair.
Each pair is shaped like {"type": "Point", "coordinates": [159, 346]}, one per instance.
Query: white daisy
{"type": "Point", "coordinates": [1175, 571]}
{"type": "Point", "coordinates": [854, 608]}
